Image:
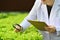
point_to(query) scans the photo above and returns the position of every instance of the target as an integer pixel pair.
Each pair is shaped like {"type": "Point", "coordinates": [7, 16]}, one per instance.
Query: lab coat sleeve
{"type": "Point", "coordinates": [58, 30]}
{"type": "Point", "coordinates": [57, 25]}
{"type": "Point", "coordinates": [57, 20]}
{"type": "Point", "coordinates": [31, 16]}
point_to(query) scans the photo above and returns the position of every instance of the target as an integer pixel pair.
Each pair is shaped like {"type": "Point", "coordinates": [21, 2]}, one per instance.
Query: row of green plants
{"type": "Point", "coordinates": [7, 19]}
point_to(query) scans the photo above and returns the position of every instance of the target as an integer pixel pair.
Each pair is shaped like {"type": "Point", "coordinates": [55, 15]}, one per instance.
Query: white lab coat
{"type": "Point", "coordinates": [39, 12]}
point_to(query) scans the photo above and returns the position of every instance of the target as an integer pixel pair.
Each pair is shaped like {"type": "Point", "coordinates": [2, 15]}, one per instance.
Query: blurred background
{"type": "Point", "coordinates": [12, 12]}
{"type": "Point", "coordinates": [16, 5]}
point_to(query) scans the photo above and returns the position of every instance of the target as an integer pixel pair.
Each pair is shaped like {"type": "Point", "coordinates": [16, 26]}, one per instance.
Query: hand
{"type": "Point", "coordinates": [17, 27]}
{"type": "Point", "coordinates": [50, 29]}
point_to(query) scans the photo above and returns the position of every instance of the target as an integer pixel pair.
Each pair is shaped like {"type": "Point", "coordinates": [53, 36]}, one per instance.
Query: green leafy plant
{"type": "Point", "coordinates": [7, 30]}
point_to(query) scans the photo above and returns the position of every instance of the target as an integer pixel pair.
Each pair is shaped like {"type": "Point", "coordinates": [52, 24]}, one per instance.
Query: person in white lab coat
{"type": "Point", "coordinates": [47, 11]}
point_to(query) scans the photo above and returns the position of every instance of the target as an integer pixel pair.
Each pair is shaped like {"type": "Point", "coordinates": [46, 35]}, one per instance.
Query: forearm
{"type": "Point", "coordinates": [25, 24]}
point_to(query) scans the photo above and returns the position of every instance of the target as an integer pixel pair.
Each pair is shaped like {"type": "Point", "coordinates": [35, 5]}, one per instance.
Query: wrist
{"type": "Point", "coordinates": [21, 28]}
